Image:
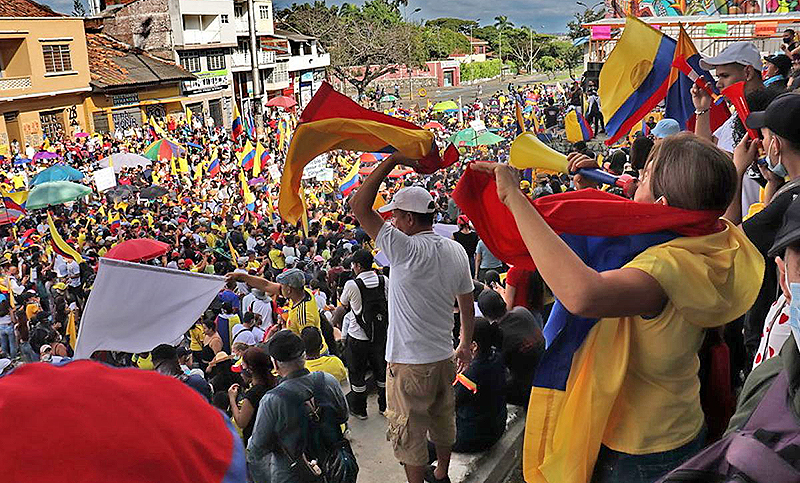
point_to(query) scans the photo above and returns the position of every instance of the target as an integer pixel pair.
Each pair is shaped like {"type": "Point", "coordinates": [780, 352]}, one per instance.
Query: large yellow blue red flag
{"type": "Point", "coordinates": [574, 405]}
{"type": "Point", "coordinates": [248, 155]}
{"type": "Point", "coordinates": [635, 78]}
{"type": "Point", "coordinates": [333, 121]}
{"type": "Point", "coordinates": [576, 127]}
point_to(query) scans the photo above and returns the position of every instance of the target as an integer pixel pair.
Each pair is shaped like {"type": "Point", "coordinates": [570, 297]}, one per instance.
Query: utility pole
{"type": "Point", "coordinates": [255, 103]}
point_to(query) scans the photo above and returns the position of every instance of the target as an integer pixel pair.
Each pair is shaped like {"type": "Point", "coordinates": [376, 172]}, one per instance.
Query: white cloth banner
{"type": "Point", "coordinates": [135, 307]}
{"type": "Point", "coordinates": [105, 179]}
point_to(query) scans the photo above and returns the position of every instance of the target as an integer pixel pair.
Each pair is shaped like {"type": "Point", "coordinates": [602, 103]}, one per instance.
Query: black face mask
{"type": "Point", "coordinates": [787, 40]}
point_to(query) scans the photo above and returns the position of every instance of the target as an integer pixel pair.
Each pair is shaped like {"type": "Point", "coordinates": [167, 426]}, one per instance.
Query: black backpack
{"type": "Point", "coordinates": [374, 316]}
{"type": "Point", "coordinates": [323, 455]}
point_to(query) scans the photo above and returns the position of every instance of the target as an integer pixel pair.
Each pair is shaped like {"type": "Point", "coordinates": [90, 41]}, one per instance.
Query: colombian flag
{"type": "Point", "coordinates": [14, 206]}
{"type": "Point", "coordinates": [333, 121]}
{"type": "Point", "coordinates": [635, 78]}
{"type": "Point", "coordinates": [352, 180]}
{"type": "Point", "coordinates": [213, 167]}
{"type": "Point", "coordinates": [236, 126]}
{"type": "Point", "coordinates": [59, 245]}
{"type": "Point", "coordinates": [576, 127]}
{"type": "Point", "coordinates": [262, 159]}
{"type": "Point", "coordinates": [586, 360]}
{"type": "Point", "coordinates": [686, 71]}
{"type": "Point", "coordinates": [28, 238]}
{"type": "Point", "coordinates": [248, 155]}
{"type": "Point", "coordinates": [249, 197]}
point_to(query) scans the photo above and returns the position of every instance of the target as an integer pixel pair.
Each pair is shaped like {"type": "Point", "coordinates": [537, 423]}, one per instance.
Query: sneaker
{"type": "Point", "coordinates": [430, 477]}
{"type": "Point", "coordinates": [357, 415]}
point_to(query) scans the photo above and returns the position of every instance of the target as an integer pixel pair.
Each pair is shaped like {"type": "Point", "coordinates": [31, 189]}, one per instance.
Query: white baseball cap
{"type": "Point", "coordinates": [743, 53]}
{"type": "Point", "coordinates": [413, 198]}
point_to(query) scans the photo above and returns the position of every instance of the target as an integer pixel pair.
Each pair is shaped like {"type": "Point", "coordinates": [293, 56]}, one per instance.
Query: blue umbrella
{"type": "Point", "coordinates": [194, 145]}
{"type": "Point", "coordinates": [57, 172]}
{"type": "Point", "coordinates": [18, 161]}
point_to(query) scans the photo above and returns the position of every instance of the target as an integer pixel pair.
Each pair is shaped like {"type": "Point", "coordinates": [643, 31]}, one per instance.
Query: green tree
{"type": "Point", "coordinates": [548, 65]}
{"type": "Point", "coordinates": [78, 10]}
{"type": "Point", "coordinates": [454, 24]}
{"type": "Point", "coordinates": [440, 43]}
{"type": "Point", "coordinates": [576, 31]}
{"type": "Point", "coordinates": [383, 12]}
{"type": "Point", "coordinates": [570, 56]}
{"type": "Point", "coordinates": [501, 23]}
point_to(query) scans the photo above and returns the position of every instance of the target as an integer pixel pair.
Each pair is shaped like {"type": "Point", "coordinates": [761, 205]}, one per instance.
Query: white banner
{"type": "Point", "coordinates": [135, 307]}
{"type": "Point", "coordinates": [274, 172]}
{"type": "Point", "coordinates": [105, 179]}
{"type": "Point", "coordinates": [478, 126]}
{"type": "Point", "coordinates": [326, 174]}
{"type": "Point", "coordinates": [314, 167]}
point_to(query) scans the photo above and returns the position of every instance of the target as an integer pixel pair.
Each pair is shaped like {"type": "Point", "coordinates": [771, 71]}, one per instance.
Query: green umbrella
{"type": "Point", "coordinates": [55, 193]}
{"type": "Point", "coordinates": [467, 137]}
{"type": "Point", "coordinates": [445, 106]}
{"type": "Point", "coordinates": [388, 98]}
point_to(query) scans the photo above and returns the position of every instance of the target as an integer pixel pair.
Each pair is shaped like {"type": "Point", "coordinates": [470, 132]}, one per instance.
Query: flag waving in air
{"type": "Point", "coordinates": [249, 197]}
{"type": "Point", "coordinates": [236, 126]}
{"type": "Point", "coordinates": [577, 128]}
{"type": "Point", "coordinates": [351, 181]}
{"type": "Point", "coordinates": [14, 204]}
{"type": "Point", "coordinates": [333, 121]}
{"type": "Point", "coordinates": [59, 245]}
{"type": "Point", "coordinates": [247, 156]}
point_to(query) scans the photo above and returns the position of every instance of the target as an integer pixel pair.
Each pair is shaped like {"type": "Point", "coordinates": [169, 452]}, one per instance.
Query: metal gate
{"type": "Point", "coordinates": [127, 118]}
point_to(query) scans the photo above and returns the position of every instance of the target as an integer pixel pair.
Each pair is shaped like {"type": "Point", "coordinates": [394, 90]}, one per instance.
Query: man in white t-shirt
{"type": "Point", "coordinates": [428, 273]}
{"type": "Point", "coordinates": [365, 351]}
{"type": "Point", "coordinates": [739, 61]}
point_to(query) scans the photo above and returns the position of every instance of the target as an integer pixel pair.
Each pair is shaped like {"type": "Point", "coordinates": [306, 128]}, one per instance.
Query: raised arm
{"type": "Point", "coordinates": [582, 290]}
{"type": "Point", "coordinates": [362, 201]}
{"type": "Point", "coordinates": [271, 288]}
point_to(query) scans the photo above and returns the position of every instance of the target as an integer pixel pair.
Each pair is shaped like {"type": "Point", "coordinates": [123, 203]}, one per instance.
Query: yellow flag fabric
{"type": "Point", "coordinates": [257, 162]}
{"type": "Point", "coordinates": [565, 429]}
{"type": "Point", "coordinates": [188, 116]}
{"type": "Point", "coordinates": [234, 254]}
{"type": "Point", "coordinates": [59, 245]}
{"type": "Point", "coordinates": [249, 197]}
{"type": "Point", "coordinates": [72, 332]}
{"type": "Point", "coordinates": [172, 169]}
{"type": "Point", "coordinates": [304, 217]}
{"type": "Point", "coordinates": [183, 165]}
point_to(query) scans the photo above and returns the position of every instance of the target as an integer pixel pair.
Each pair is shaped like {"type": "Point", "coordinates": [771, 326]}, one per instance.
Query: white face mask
{"type": "Point", "coordinates": [778, 168]}
{"type": "Point", "coordinates": [794, 308]}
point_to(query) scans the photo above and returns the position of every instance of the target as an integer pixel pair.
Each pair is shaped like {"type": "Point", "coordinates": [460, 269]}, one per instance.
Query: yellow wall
{"type": "Point", "coordinates": [28, 60]}
{"type": "Point", "coordinates": [102, 102]}
{"type": "Point", "coordinates": [69, 107]}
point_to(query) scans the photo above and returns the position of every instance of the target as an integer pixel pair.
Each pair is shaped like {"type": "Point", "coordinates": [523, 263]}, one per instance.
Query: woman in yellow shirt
{"type": "Point", "coordinates": [657, 307]}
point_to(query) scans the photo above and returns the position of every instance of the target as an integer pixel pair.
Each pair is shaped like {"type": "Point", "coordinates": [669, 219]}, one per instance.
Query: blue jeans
{"type": "Point", "coordinates": [8, 340]}
{"type": "Point", "coordinates": [615, 467]}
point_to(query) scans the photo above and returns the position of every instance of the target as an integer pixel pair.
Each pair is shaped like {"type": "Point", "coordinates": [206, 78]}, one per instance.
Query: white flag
{"type": "Point", "coordinates": [135, 307]}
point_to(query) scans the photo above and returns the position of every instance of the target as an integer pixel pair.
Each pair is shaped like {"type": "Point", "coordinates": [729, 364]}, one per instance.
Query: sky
{"type": "Point", "coordinates": [546, 16]}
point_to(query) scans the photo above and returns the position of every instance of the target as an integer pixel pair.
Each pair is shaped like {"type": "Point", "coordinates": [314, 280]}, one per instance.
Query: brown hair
{"type": "Point", "coordinates": [692, 173]}
{"type": "Point", "coordinates": [260, 364]}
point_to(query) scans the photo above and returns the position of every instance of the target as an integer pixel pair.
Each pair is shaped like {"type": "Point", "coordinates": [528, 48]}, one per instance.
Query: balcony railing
{"type": "Point", "coordinates": [191, 37]}
{"type": "Point", "coordinates": [242, 58]}
{"type": "Point", "coordinates": [13, 83]}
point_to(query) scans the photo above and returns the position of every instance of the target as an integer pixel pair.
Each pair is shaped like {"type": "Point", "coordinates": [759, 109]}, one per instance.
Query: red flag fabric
{"type": "Point", "coordinates": [586, 212]}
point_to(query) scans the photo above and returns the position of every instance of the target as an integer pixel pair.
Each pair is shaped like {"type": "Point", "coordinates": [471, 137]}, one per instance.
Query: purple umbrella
{"type": "Point", "coordinates": [256, 181]}
{"type": "Point", "coordinates": [45, 155]}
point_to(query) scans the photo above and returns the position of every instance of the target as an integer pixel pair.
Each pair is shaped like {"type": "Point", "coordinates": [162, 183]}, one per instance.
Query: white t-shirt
{"type": "Point", "coordinates": [750, 187]}
{"type": "Point", "coordinates": [724, 135]}
{"type": "Point", "coordinates": [74, 273]}
{"type": "Point", "coordinates": [352, 298]}
{"type": "Point", "coordinates": [242, 334]}
{"type": "Point", "coordinates": [263, 307]}
{"type": "Point", "coordinates": [428, 272]}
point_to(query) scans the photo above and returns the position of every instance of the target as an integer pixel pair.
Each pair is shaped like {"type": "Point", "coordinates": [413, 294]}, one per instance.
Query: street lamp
{"type": "Point", "coordinates": [471, 49]}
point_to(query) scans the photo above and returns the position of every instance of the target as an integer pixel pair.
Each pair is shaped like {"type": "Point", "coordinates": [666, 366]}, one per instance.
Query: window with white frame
{"type": "Point", "coordinates": [263, 10]}
{"type": "Point", "coordinates": [56, 58]}
{"type": "Point", "coordinates": [224, 18]}
{"type": "Point", "coordinates": [191, 62]}
{"type": "Point", "coordinates": [216, 61]}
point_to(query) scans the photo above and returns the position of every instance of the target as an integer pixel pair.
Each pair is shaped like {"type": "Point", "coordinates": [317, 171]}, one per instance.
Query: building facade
{"type": "Point", "coordinates": [44, 74]}
{"type": "Point", "coordinates": [306, 67]}
{"type": "Point", "coordinates": [198, 35]}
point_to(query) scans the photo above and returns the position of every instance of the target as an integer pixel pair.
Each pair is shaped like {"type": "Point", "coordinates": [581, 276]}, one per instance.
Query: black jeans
{"type": "Point", "coordinates": [361, 355]}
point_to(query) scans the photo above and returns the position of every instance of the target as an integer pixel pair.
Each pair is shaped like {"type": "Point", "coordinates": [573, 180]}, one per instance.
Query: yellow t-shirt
{"type": "Point", "coordinates": [304, 314]}
{"type": "Point", "coordinates": [658, 406]}
{"type": "Point", "coordinates": [276, 257]}
{"type": "Point", "coordinates": [196, 338]}
{"type": "Point", "coordinates": [330, 364]}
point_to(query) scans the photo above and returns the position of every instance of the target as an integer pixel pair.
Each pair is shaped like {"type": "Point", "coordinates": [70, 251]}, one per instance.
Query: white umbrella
{"type": "Point", "coordinates": [124, 160]}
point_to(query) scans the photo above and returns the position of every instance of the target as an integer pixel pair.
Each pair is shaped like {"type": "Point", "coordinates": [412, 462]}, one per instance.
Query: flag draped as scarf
{"type": "Point", "coordinates": [333, 121]}
{"type": "Point", "coordinates": [586, 361]}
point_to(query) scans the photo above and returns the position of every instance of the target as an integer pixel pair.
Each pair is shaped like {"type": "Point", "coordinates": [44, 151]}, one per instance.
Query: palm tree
{"type": "Point", "coordinates": [501, 23]}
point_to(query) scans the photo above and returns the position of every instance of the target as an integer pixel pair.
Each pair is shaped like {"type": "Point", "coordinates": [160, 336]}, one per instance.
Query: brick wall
{"type": "Point", "coordinates": [144, 24]}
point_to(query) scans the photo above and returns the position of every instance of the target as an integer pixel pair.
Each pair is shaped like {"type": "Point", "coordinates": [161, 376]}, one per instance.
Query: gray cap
{"type": "Point", "coordinates": [293, 277]}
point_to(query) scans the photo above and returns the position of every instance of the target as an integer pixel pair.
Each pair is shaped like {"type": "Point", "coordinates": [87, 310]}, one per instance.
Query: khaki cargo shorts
{"type": "Point", "coordinates": [420, 405]}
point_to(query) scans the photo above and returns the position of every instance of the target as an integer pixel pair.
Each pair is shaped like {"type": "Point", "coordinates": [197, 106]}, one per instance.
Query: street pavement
{"type": "Point", "coordinates": [374, 454]}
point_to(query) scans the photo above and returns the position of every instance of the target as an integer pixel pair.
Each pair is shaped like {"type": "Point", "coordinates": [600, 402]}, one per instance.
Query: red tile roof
{"type": "Point", "coordinates": [114, 63]}
{"type": "Point", "coordinates": [26, 8]}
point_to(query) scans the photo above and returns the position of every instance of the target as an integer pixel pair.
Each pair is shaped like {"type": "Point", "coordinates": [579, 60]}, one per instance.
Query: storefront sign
{"type": "Point", "coordinates": [211, 80]}
{"type": "Point", "coordinates": [449, 64]}
{"type": "Point", "coordinates": [307, 77]}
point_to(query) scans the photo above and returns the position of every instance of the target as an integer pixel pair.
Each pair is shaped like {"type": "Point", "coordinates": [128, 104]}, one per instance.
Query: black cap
{"type": "Point", "coordinates": [789, 232]}
{"type": "Point", "coordinates": [164, 352]}
{"type": "Point", "coordinates": [286, 346]}
{"type": "Point", "coordinates": [781, 61]}
{"type": "Point", "coordinates": [780, 117]}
